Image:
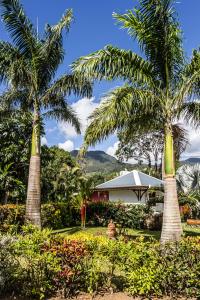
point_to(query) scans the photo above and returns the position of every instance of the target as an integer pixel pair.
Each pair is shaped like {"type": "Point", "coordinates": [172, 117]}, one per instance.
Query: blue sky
{"type": "Point", "coordinates": [92, 29]}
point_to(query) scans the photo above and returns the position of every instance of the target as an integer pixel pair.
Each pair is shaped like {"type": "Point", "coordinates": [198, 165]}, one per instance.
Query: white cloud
{"type": "Point", "coordinates": [193, 149]}
{"type": "Point", "coordinates": [44, 141]}
{"type": "Point", "coordinates": [67, 145]}
{"type": "Point", "coordinates": [84, 107]}
{"type": "Point", "coordinates": [112, 149]}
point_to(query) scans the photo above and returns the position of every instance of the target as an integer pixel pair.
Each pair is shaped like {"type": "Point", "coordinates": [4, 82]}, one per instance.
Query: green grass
{"type": "Point", "coordinates": [133, 233]}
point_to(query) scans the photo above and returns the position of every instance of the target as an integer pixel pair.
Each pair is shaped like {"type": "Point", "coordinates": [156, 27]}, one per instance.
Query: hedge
{"type": "Point", "coordinates": [61, 215]}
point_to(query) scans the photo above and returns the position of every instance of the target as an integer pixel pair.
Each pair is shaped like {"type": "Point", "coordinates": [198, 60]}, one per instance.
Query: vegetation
{"type": "Point", "coordinates": [157, 90]}
{"type": "Point", "coordinates": [29, 65]}
{"type": "Point", "coordinates": [63, 214]}
{"type": "Point", "coordinates": [38, 264]}
{"type": "Point", "coordinates": [148, 148]}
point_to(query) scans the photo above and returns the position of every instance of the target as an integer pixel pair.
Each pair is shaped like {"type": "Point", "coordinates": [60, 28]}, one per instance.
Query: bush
{"type": "Point", "coordinates": [61, 215]}
{"type": "Point", "coordinates": [126, 216]}
{"type": "Point", "coordinates": [11, 216]}
{"type": "Point", "coordinates": [54, 216]}
{"type": "Point", "coordinates": [38, 264]}
{"type": "Point", "coordinates": [71, 256]}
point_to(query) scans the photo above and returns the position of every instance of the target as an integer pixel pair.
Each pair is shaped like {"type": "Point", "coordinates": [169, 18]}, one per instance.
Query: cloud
{"type": "Point", "coordinates": [44, 141]}
{"type": "Point", "coordinates": [84, 107]}
{"type": "Point", "coordinates": [67, 145]}
{"type": "Point", "coordinates": [112, 149]}
{"type": "Point", "coordinates": [193, 149]}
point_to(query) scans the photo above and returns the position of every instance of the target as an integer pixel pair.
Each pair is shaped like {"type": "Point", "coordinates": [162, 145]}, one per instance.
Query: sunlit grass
{"type": "Point", "coordinates": [132, 233]}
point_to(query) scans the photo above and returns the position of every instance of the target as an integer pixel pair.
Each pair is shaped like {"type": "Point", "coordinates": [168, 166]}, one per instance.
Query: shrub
{"type": "Point", "coordinates": [11, 216]}
{"type": "Point", "coordinates": [59, 215]}
{"type": "Point", "coordinates": [54, 216]}
{"type": "Point", "coordinates": [126, 216]}
{"type": "Point", "coordinates": [8, 265]}
{"type": "Point", "coordinates": [37, 264]}
{"type": "Point", "coordinates": [71, 256]}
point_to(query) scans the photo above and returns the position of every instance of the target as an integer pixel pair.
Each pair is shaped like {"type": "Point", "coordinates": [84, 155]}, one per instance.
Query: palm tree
{"type": "Point", "coordinates": [29, 66]}
{"type": "Point", "coordinates": [156, 92]}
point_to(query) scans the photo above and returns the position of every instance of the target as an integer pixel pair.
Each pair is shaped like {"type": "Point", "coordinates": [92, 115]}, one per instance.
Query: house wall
{"type": "Point", "coordinates": [125, 196]}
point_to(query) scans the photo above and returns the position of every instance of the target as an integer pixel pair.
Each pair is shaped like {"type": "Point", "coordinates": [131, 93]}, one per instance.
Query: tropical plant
{"type": "Point", "coordinates": [8, 182]}
{"type": "Point", "coordinates": [156, 92]}
{"type": "Point", "coordinates": [29, 65]}
{"type": "Point", "coordinates": [188, 178]}
{"type": "Point", "coordinates": [15, 133]}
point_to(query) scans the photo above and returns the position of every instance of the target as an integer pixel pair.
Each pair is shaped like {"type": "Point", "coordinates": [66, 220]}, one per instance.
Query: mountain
{"type": "Point", "coordinates": [99, 161]}
{"type": "Point", "coordinates": [191, 161]}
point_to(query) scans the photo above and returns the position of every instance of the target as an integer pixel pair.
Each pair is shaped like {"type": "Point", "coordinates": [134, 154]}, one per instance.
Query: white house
{"type": "Point", "coordinates": [132, 187]}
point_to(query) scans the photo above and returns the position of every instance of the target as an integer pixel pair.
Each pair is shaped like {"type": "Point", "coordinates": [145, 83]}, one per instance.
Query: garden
{"type": "Point", "coordinates": [55, 242]}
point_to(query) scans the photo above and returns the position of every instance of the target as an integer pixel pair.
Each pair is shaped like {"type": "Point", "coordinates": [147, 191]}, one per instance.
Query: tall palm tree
{"type": "Point", "coordinates": [29, 67]}
{"type": "Point", "coordinates": [156, 92]}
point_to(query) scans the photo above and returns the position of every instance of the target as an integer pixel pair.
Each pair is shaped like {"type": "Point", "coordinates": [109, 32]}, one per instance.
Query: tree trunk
{"type": "Point", "coordinates": [33, 202]}
{"type": "Point", "coordinates": [171, 229]}
{"type": "Point", "coordinates": [6, 197]}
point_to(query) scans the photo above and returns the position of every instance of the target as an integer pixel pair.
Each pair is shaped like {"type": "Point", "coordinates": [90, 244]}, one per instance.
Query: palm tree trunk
{"type": "Point", "coordinates": [171, 228]}
{"type": "Point", "coordinates": [33, 202]}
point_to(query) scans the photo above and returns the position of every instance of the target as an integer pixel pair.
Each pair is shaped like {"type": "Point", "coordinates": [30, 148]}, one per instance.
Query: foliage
{"type": "Point", "coordinates": [147, 268]}
{"type": "Point", "coordinates": [188, 178]}
{"type": "Point", "coordinates": [153, 95]}
{"type": "Point", "coordinates": [148, 147]}
{"type": "Point", "coordinates": [54, 216]}
{"type": "Point", "coordinates": [143, 148]}
{"type": "Point", "coordinates": [61, 215]}
{"type": "Point", "coordinates": [71, 256]}
{"type": "Point", "coordinates": [38, 264]}
{"type": "Point", "coordinates": [12, 217]}
{"type": "Point", "coordinates": [15, 133]}
{"type": "Point", "coordinates": [188, 181]}
{"type": "Point", "coordinates": [190, 204]}
{"type": "Point", "coordinates": [125, 216]}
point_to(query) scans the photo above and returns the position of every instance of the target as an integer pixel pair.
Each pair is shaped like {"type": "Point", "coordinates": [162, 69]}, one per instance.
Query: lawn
{"type": "Point", "coordinates": [133, 233]}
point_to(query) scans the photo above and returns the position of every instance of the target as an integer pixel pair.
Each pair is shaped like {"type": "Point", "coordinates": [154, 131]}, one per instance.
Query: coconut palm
{"type": "Point", "coordinates": [29, 66]}
{"type": "Point", "coordinates": [156, 92]}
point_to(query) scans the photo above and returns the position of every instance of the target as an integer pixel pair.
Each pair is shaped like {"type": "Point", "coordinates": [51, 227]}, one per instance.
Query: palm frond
{"type": "Point", "coordinates": [51, 50]}
{"type": "Point", "coordinates": [118, 109]}
{"type": "Point", "coordinates": [180, 136]}
{"type": "Point", "coordinates": [64, 113]}
{"type": "Point", "coordinates": [13, 67]}
{"type": "Point", "coordinates": [158, 33]}
{"type": "Point", "coordinates": [17, 99]}
{"type": "Point", "coordinates": [19, 26]}
{"type": "Point", "coordinates": [68, 84]}
{"type": "Point", "coordinates": [191, 113]}
{"type": "Point", "coordinates": [112, 63]}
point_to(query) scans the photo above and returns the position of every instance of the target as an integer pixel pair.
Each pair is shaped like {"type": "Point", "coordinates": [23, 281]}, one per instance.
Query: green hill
{"type": "Point", "coordinates": [191, 160]}
{"type": "Point", "coordinates": [99, 161]}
